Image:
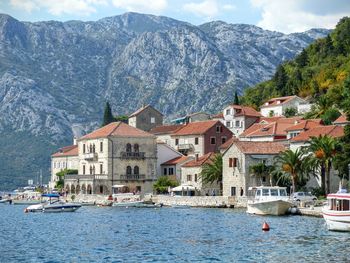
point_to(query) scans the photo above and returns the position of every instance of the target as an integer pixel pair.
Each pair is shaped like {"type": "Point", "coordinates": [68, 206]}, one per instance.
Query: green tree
{"type": "Point", "coordinates": [323, 149]}
{"type": "Point", "coordinates": [260, 170]}
{"type": "Point", "coordinates": [330, 115]}
{"type": "Point", "coordinates": [294, 164]}
{"type": "Point", "coordinates": [122, 118]}
{"type": "Point", "coordinates": [236, 101]}
{"type": "Point", "coordinates": [107, 116]}
{"type": "Point", "coordinates": [212, 171]}
{"type": "Point", "coordinates": [302, 59]}
{"type": "Point", "coordinates": [163, 183]}
{"type": "Point", "coordinates": [61, 175]}
{"type": "Point", "coordinates": [290, 112]}
{"type": "Point", "coordinates": [280, 79]}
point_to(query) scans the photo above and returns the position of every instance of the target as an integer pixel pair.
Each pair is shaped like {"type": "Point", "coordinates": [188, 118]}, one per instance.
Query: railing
{"type": "Point", "coordinates": [186, 146]}
{"type": "Point", "coordinates": [133, 155]}
{"type": "Point", "coordinates": [86, 176]}
{"type": "Point", "coordinates": [132, 177]}
{"type": "Point", "coordinates": [90, 156]}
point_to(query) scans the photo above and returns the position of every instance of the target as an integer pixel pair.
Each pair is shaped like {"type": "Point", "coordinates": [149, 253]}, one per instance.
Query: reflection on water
{"type": "Point", "coordinates": [94, 234]}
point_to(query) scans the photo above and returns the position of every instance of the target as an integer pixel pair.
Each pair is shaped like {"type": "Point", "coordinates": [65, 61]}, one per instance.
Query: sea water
{"type": "Point", "coordinates": [111, 234]}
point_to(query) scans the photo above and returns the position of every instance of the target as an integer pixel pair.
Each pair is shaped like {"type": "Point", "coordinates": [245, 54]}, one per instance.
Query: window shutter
{"type": "Point", "coordinates": [230, 161]}
{"type": "Point", "coordinates": [234, 162]}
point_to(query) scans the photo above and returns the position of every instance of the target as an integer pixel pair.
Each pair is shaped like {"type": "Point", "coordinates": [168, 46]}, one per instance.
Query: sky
{"type": "Point", "coordinates": [285, 16]}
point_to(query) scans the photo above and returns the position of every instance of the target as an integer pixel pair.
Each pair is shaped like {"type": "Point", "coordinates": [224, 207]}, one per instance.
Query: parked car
{"type": "Point", "coordinates": [303, 197]}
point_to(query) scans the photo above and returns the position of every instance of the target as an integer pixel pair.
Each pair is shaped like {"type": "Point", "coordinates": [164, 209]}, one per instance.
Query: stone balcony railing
{"type": "Point", "coordinates": [132, 155]}
{"type": "Point", "coordinates": [186, 146]}
{"type": "Point", "coordinates": [90, 156]}
{"type": "Point", "coordinates": [86, 177]}
{"type": "Point", "coordinates": [132, 177]}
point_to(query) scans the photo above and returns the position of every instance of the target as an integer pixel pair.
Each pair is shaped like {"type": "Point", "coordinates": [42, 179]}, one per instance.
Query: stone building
{"type": "Point", "coordinates": [164, 132]}
{"type": "Point", "coordinates": [277, 106]}
{"type": "Point", "coordinates": [172, 168]}
{"type": "Point", "coordinates": [116, 154]}
{"type": "Point", "coordinates": [65, 158]}
{"type": "Point", "coordinates": [237, 159]}
{"type": "Point", "coordinates": [146, 118]}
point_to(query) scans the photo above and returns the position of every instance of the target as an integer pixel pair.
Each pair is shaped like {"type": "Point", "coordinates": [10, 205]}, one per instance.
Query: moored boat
{"type": "Point", "coordinates": [337, 212]}
{"type": "Point", "coordinates": [53, 205]}
{"type": "Point", "coordinates": [269, 200]}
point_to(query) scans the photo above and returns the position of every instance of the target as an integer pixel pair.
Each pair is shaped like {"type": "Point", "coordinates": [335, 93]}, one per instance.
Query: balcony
{"type": "Point", "coordinates": [90, 156]}
{"type": "Point", "coordinates": [86, 177]}
{"type": "Point", "coordinates": [132, 155]}
{"type": "Point", "coordinates": [132, 177]}
{"type": "Point", "coordinates": [186, 146]}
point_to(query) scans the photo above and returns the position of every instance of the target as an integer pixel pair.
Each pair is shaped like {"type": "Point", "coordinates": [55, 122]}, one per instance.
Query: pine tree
{"type": "Point", "coordinates": [281, 79]}
{"type": "Point", "coordinates": [236, 101]}
{"type": "Point", "coordinates": [107, 117]}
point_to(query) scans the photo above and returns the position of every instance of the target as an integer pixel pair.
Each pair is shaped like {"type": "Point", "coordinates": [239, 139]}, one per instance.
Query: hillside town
{"type": "Point", "coordinates": [133, 156]}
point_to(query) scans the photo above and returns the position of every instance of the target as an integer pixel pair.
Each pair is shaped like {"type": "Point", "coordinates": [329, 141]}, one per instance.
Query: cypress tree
{"type": "Point", "coordinates": [107, 116]}
{"type": "Point", "coordinates": [236, 101]}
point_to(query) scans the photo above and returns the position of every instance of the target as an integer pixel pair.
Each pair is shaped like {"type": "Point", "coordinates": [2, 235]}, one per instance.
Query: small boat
{"type": "Point", "coordinates": [128, 204]}
{"type": "Point", "coordinates": [53, 205]}
{"type": "Point", "coordinates": [337, 212]}
{"type": "Point", "coordinates": [180, 206]}
{"type": "Point", "coordinates": [5, 200]}
{"type": "Point", "coordinates": [269, 200]}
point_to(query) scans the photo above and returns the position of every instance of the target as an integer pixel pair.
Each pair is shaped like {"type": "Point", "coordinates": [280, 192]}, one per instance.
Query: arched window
{"type": "Point", "coordinates": [90, 169]}
{"type": "Point", "coordinates": [136, 170]}
{"type": "Point", "coordinates": [90, 148]}
{"type": "Point", "coordinates": [136, 148]}
{"type": "Point", "coordinates": [128, 170]}
{"type": "Point", "coordinates": [93, 148]}
{"type": "Point", "coordinates": [128, 147]}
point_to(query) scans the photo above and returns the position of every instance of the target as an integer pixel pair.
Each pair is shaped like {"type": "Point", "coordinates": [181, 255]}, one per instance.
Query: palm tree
{"type": "Point", "coordinates": [294, 164]}
{"type": "Point", "coordinates": [323, 149]}
{"type": "Point", "coordinates": [261, 169]}
{"type": "Point", "coordinates": [212, 171]}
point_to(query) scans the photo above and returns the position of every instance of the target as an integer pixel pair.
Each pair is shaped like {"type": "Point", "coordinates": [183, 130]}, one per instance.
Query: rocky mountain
{"type": "Point", "coordinates": [55, 77]}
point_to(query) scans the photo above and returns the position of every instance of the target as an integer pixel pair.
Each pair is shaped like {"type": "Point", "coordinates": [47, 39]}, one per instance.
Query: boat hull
{"type": "Point", "coordinates": [275, 207]}
{"type": "Point", "coordinates": [56, 208]}
{"type": "Point", "coordinates": [128, 204]}
{"type": "Point", "coordinates": [337, 220]}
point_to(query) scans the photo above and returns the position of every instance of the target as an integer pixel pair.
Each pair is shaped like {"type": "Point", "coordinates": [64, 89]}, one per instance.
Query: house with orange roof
{"type": "Point", "coordinates": [302, 126]}
{"type": "Point", "coordinates": [277, 106]}
{"type": "Point", "coordinates": [173, 167]}
{"type": "Point", "coordinates": [341, 121]}
{"type": "Point", "coordinates": [239, 118]}
{"type": "Point", "coordinates": [199, 138]}
{"type": "Point", "coordinates": [64, 158]}
{"type": "Point", "coordinates": [164, 132]}
{"type": "Point", "coordinates": [190, 176]}
{"type": "Point", "coordinates": [116, 154]}
{"type": "Point", "coordinates": [146, 118]}
{"type": "Point", "coordinates": [269, 131]}
{"type": "Point", "coordinates": [237, 160]}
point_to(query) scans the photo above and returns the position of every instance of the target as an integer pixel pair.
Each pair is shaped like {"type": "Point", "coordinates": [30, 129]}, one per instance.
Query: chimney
{"type": "Point", "coordinates": [196, 157]}
{"type": "Point", "coordinates": [74, 140]}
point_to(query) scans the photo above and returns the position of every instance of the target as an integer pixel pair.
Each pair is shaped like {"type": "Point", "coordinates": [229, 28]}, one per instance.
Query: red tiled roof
{"type": "Point", "coordinates": [246, 111]}
{"type": "Point", "coordinates": [116, 129]}
{"type": "Point", "coordinates": [273, 101]}
{"type": "Point", "coordinates": [270, 119]}
{"type": "Point", "coordinates": [228, 143]}
{"type": "Point", "coordinates": [341, 119]}
{"type": "Point", "coordinates": [305, 125]}
{"type": "Point", "coordinates": [141, 110]}
{"type": "Point", "coordinates": [259, 147]}
{"type": "Point", "coordinates": [194, 128]}
{"type": "Point", "coordinates": [330, 130]}
{"type": "Point", "coordinates": [201, 160]}
{"type": "Point", "coordinates": [71, 150]}
{"type": "Point", "coordinates": [218, 116]}
{"type": "Point", "coordinates": [166, 129]}
{"type": "Point", "coordinates": [176, 160]}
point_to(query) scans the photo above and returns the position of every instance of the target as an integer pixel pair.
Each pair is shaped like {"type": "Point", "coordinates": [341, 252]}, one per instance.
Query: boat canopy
{"type": "Point", "coordinates": [51, 195]}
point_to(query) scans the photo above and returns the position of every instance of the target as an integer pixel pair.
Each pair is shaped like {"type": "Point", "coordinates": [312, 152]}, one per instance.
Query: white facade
{"type": "Point", "coordinates": [61, 163]}
{"type": "Point", "coordinates": [164, 154]}
{"type": "Point", "coordinates": [279, 106]}
{"type": "Point", "coordinates": [236, 123]}
{"type": "Point", "coordinates": [194, 144]}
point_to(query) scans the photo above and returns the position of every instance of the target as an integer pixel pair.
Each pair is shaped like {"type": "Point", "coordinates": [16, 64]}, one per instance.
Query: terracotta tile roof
{"type": "Point", "coordinates": [166, 129]}
{"type": "Point", "coordinates": [259, 147]}
{"type": "Point", "coordinates": [142, 109]}
{"type": "Point", "coordinates": [330, 130]}
{"type": "Point", "coordinates": [201, 160]}
{"type": "Point", "coordinates": [176, 160]}
{"type": "Point", "coordinates": [218, 116]}
{"type": "Point", "coordinates": [305, 125]}
{"type": "Point", "coordinates": [116, 129]}
{"type": "Point", "coordinates": [273, 101]}
{"type": "Point", "coordinates": [71, 150]}
{"type": "Point", "coordinates": [194, 128]}
{"type": "Point", "coordinates": [341, 120]}
{"type": "Point", "coordinates": [245, 111]}
{"type": "Point", "coordinates": [277, 128]}
{"type": "Point", "coordinates": [228, 143]}
{"type": "Point", "coordinates": [270, 119]}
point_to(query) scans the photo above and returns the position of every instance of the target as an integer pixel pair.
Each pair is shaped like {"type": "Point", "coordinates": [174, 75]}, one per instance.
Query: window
{"type": "Point", "coordinates": [153, 120]}
{"type": "Point", "coordinates": [90, 169]}
{"type": "Point", "coordinates": [189, 177]}
{"type": "Point", "coordinates": [264, 179]}
{"type": "Point", "coordinates": [195, 177]}
{"type": "Point", "coordinates": [128, 147]}
{"type": "Point", "coordinates": [128, 170]}
{"type": "Point", "coordinates": [223, 139]}
{"type": "Point", "coordinates": [93, 148]}
{"type": "Point", "coordinates": [165, 170]}
{"type": "Point", "coordinates": [83, 169]}
{"type": "Point", "coordinates": [274, 192]}
{"type": "Point", "coordinates": [138, 188]}
{"type": "Point", "coordinates": [136, 148]}
{"type": "Point", "coordinates": [228, 111]}
{"type": "Point", "coordinates": [233, 191]}
{"type": "Point", "coordinates": [136, 170]}
{"type": "Point", "coordinates": [221, 129]}
{"type": "Point", "coordinates": [212, 140]}
{"type": "Point", "coordinates": [218, 129]}
{"type": "Point", "coordinates": [237, 123]}
{"type": "Point", "coordinates": [171, 171]}
{"type": "Point", "coordinates": [265, 192]}
{"type": "Point", "coordinates": [228, 124]}
{"type": "Point", "coordinates": [176, 141]}
{"type": "Point", "coordinates": [235, 162]}
{"type": "Point", "coordinates": [101, 189]}
{"type": "Point", "coordinates": [196, 141]}
{"type": "Point", "coordinates": [101, 146]}
{"type": "Point", "coordinates": [101, 168]}
{"type": "Point", "coordinates": [84, 149]}
{"type": "Point", "coordinates": [230, 162]}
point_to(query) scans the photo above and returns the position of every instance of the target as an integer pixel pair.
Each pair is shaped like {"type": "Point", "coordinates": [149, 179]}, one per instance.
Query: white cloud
{"type": "Point", "coordinates": [229, 7]}
{"type": "Point", "coordinates": [144, 6]}
{"type": "Point", "coordinates": [298, 15]}
{"type": "Point", "coordinates": [207, 9]}
{"type": "Point", "coordinates": [26, 5]}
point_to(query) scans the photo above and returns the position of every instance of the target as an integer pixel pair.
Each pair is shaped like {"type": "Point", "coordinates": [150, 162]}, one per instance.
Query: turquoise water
{"type": "Point", "coordinates": [100, 234]}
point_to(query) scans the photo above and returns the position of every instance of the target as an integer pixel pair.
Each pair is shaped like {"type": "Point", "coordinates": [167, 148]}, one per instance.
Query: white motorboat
{"type": "Point", "coordinates": [53, 205]}
{"type": "Point", "coordinates": [269, 200]}
{"type": "Point", "coordinates": [337, 212]}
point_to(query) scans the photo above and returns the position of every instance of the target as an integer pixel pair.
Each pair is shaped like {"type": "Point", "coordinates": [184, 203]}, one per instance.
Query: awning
{"type": "Point", "coordinates": [118, 186]}
{"type": "Point", "coordinates": [181, 188]}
